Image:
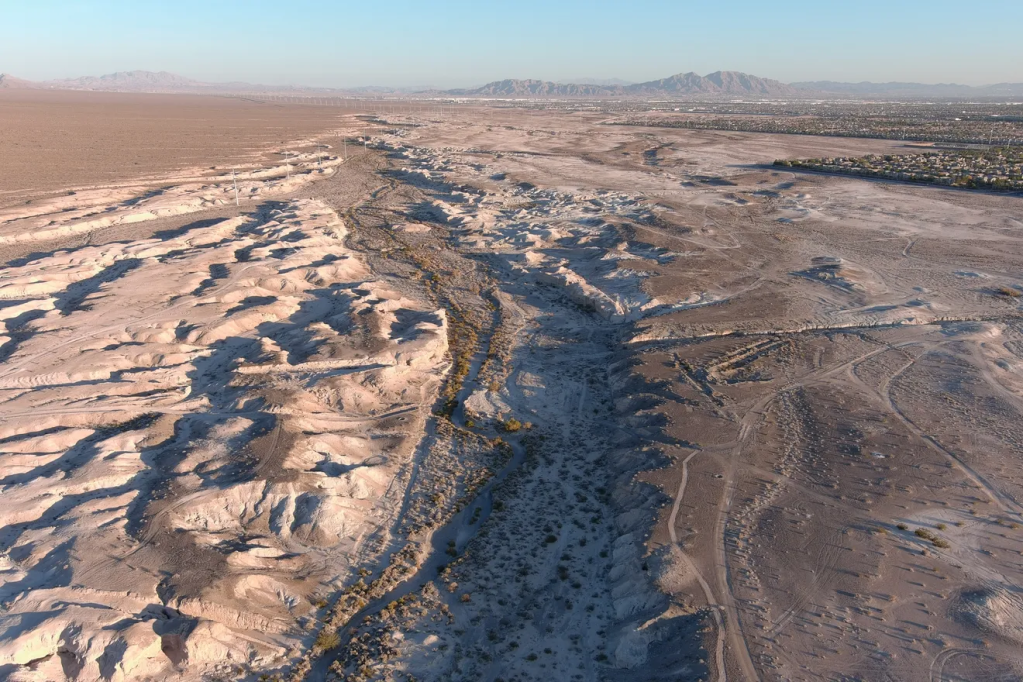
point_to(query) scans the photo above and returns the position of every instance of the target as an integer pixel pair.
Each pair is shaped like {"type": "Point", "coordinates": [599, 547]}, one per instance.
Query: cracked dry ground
{"type": "Point", "coordinates": [518, 396]}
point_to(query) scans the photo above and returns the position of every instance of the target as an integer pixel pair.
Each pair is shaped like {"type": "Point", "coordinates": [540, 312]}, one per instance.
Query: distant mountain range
{"type": "Point", "coordinates": [131, 81]}
{"type": "Point", "coordinates": [682, 85]}
{"type": "Point", "coordinates": [896, 89]}
{"type": "Point", "coordinates": [153, 82]}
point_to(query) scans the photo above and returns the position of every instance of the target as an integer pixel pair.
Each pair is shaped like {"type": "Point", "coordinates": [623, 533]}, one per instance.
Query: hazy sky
{"type": "Point", "coordinates": [461, 43]}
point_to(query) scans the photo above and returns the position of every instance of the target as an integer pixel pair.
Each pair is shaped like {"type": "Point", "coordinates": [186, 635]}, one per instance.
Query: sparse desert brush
{"type": "Point", "coordinates": [328, 639]}
{"type": "Point", "coordinates": [902, 526]}
{"type": "Point", "coordinates": [1008, 292]}
{"type": "Point", "coordinates": [941, 526]}
{"type": "Point", "coordinates": [511, 425]}
{"type": "Point", "coordinates": [942, 544]}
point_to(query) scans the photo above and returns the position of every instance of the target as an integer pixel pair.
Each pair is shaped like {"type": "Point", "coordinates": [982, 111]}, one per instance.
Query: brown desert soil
{"type": "Point", "coordinates": [56, 140]}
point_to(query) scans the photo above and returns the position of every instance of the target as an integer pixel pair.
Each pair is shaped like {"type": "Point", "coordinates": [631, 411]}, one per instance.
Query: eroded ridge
{"type": "Point", "coordinates": [198, 434]}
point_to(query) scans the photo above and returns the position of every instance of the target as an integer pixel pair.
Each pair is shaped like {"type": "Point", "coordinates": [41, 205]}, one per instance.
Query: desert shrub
{"type": "Point", "coordinates": [328, 639]}
{"type": "Point", "coordinates": [511, 425]}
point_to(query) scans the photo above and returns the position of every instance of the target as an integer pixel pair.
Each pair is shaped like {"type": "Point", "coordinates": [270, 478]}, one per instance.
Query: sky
{"type": "Point", "coordinates": [456, 43]}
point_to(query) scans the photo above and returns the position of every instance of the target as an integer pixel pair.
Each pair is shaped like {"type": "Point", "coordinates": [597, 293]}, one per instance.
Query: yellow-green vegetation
{"type": "Point", "coordinates": [497, 365]}
{"type": "Point", "coordinates": [327, 639]}
{"type": "Point", "coordinates": [1008, 292]}
{"type": "Point", "coordinates": [355, 597]}
{"type": "Point", "coordinates": [934, 539]}
{"type": "Point", "coordinates": [371, 641]}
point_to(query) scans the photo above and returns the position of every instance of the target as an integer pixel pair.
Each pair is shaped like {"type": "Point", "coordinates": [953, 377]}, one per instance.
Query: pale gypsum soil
{"type": "Point", "coordinates": [741, 392]}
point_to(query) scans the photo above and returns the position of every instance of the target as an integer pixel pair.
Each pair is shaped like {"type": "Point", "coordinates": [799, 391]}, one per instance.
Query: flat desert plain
{"type": "Point", "coordinates": [507, 394]}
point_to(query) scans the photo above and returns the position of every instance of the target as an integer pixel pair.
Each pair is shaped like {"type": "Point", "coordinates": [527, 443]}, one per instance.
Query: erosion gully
{"type": "Point", "coordinates": [463, 525]}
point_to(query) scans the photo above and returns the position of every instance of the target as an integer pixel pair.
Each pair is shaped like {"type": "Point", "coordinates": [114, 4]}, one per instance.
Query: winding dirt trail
{"type": "Point", "coordinates": [708, 593]}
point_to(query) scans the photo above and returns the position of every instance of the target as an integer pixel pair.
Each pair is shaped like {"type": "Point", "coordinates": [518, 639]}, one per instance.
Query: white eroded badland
{"type": "Point", "coordinates": [215, 414]}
